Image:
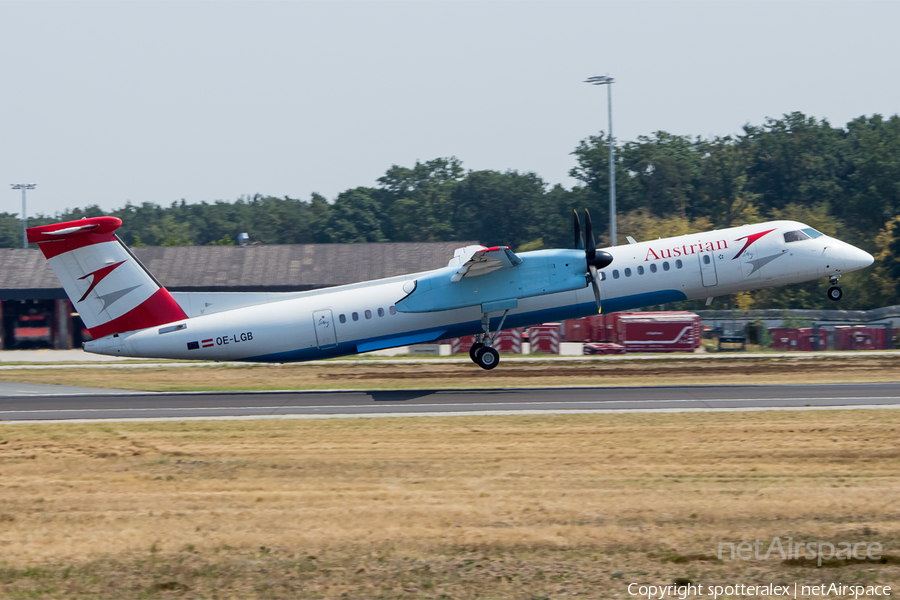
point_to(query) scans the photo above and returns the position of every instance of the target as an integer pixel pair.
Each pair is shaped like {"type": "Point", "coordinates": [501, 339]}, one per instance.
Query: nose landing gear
{"type": "Point", "coordinates": [835, 292]}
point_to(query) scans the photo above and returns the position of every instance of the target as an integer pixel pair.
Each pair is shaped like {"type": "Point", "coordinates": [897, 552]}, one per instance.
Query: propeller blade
{"type": "Point", "coordinates": [589, 235]}
{"type": "Point", "coordinates": [579, 241]}
{"type": "Point", "coordinates": [595, 285]}
{"type": "Point", "coordinates": [597, 258]}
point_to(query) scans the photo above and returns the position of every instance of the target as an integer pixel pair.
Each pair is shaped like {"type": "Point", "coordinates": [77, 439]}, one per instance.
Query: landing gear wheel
{"type": "Point", "coordinates": [473, 351]}
{"type": "Point", "coordinates": [835, 293]}
{"type": "Point", "coordinates": [487, 358]}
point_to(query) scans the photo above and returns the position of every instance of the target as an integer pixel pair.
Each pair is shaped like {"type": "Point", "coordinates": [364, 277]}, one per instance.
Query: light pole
{"type": "Point", "coordinates": [608, 81]}
{"type": "Point", "coordinates": [23, 187]}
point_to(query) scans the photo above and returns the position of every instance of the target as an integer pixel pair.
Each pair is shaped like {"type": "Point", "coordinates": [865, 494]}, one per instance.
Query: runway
{"type": "Point", "coordinates": [117, 405]}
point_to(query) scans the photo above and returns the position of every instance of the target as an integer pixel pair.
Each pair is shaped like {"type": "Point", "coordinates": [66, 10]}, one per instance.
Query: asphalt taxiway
{"type": "Point", "coordinates": [65, 404]}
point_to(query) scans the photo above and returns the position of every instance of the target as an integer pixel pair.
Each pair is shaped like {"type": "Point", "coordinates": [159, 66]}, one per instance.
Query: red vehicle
{"type": "Point", "coordinates": [32, 331]}
{"type": "Point", "coordinates": [659, 331]}
{"type": "Point", "coordinates": [604, 348]}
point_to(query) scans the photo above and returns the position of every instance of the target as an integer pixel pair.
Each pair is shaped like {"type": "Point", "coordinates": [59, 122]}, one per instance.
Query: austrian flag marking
{"type": "Point", "coordinates": [196, 345]}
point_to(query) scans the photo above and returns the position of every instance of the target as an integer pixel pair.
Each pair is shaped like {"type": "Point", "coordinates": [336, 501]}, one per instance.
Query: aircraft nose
{"type": "Point", "coordinates": [856, 258]}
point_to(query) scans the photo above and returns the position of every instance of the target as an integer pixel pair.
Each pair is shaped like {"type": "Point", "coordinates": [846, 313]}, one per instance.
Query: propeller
{"type": "Point", "coordinates": [596, 259]}
{"type": "Point", "coordinates": [579, 241]}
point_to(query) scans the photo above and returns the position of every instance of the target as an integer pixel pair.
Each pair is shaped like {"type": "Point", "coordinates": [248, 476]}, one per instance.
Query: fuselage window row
{"type": "Point", "coordinates": [355, 316]}
{"type": "Point", "coordinates": [679, 264]}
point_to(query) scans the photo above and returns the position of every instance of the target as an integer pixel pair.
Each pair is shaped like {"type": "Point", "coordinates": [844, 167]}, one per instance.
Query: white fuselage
{"type": "Point", "coordinates": [321, 324]}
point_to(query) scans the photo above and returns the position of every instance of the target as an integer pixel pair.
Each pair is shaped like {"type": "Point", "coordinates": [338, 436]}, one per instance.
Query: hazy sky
{"type": "Point", "coordinates": [106, 102]}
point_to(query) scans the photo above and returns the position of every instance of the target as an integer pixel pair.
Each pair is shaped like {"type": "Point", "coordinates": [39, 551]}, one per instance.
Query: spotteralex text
{"type": "Point", "coordinates": [796, 590]}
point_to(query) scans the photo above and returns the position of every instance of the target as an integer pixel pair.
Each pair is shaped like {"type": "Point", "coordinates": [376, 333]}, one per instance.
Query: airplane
{"type": "Point", "coordinates": [481, 291]}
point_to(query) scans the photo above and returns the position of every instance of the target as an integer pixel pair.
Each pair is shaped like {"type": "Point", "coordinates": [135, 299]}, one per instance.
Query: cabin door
{"type": "Point", "coordinates": [708, 269]}
{"type": "Point", "coordinates": [324, 324]}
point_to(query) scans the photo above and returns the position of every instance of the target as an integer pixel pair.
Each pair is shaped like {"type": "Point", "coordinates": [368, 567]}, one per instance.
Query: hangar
{"type": "Point", "coordinates": [36, 312]}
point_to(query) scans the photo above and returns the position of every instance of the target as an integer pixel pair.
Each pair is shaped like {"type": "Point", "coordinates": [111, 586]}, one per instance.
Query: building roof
{"type": "Point", "coordinates": [25, 273]}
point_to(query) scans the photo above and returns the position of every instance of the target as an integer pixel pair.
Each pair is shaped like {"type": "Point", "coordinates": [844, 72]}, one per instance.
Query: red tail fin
{"type": "Point", "coordinates": [110, 288]}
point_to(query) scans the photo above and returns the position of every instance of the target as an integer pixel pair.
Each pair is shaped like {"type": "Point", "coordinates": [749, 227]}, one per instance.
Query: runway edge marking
{"type": "Point", "coordinates": [492, 413]}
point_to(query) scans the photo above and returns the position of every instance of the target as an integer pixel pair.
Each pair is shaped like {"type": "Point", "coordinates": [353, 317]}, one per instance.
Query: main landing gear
{"type": "Point", "coordinates": [834, 292]}
{"type": "Point", "coordinates": [482, 352]}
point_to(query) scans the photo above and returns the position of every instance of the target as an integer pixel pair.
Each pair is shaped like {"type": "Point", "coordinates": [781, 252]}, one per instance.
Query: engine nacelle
{"type": "Point", "coordinates": [540, 272]}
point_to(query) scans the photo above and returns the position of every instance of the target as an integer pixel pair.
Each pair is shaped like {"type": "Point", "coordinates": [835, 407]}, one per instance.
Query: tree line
{"type": "Point", "coordinates": [844, 181]}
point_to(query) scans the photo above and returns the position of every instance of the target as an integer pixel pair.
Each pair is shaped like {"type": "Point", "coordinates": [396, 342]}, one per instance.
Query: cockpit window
{"type": "Point", "coordinates": [795, 236]}
{"type": "Point", "coordinates": [811, 232]}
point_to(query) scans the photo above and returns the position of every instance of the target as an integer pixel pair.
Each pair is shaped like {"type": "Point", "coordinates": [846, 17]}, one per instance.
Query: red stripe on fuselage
{"type": "Point", "coordinates": [750, 239]}
{"type": "Point", "coordinates": [158, 309]}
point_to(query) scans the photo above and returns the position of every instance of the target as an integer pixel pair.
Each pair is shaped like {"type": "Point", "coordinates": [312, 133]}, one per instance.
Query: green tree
{"type": "Point", "coordinates": [666, 170]}
{"type": "Point", "coordinates": [723, 194]}
{"type": "Point", "coordinates": [592, 170]}
{"type": "Point", "coordinates": [873, 182]}
{"type": "Point", "coordinates": [498, 208]}
{"type": "Point", "coordinates": [10, 230]}
{"type": "Point", "coordinates": [416, 202]}
{"type": "Point", "coordinates": [355, 218]}
{"type": "Point", "coordinates": [795, 159]}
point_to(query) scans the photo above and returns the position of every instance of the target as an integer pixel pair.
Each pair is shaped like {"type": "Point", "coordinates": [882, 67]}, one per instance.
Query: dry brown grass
{"type": "Point", "coordinates": [466, 507]}
{"type": "Point", "coordinates": [676, 370]}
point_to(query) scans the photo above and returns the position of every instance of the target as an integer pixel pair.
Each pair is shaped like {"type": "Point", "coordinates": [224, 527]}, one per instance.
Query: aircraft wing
{"type": "Point", "coordinates": [480, 260]}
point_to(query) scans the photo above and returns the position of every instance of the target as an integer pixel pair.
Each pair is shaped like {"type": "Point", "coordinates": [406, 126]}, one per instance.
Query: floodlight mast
{"type": "Point", "coordinates": [23, 187]}
{"type": "Point", "coordinates": [608, 81]}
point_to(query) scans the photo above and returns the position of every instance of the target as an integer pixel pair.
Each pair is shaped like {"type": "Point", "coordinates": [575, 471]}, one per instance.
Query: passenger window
{"type": "Point", "coordinates": [342, 318]}
{"type": "Point", "coordinates": [602, 276]}
{"type": "Point", "coordinates": [627, 272]}
{"type": "Point", "coordinates": [678, 264]}
{"type": "Point", "coordinates": [393, 310]}
{"type": "Point", "coordinates": [368, 314]}
{"type": "Point", "coordinates": [666, 266]}
{"type": "Point", "coordinates": [380, 312]}
{"type": "Point", "coordinates": [615, 273]}
{"type": "Point", "coordinates": [653, 267]}
{"type": "Point", "coordinates": [795, 236]}
{"type": "Point", "coordinates": [706, 259]}
{"type": "Point", "coordinates": [355, 316]}
{"type": "Point", "coordinates": [640, 270]}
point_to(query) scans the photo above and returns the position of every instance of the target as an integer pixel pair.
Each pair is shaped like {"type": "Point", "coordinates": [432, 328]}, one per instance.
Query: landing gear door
{"type": "Point", "coordinates": [324, 324]}
{"type": "Point", "coordinates": [708, 269]}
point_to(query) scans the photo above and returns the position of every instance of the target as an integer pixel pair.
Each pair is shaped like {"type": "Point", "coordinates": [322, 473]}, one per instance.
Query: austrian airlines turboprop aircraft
{"type": "Point", "coordinates": [129, 313]}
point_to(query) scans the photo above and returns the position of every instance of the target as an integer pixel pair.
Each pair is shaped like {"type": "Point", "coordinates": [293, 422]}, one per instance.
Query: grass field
{"type": "Point", "coordinates": [374, 374]}
{"type": "Point", "coordinates": [466, 507]}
